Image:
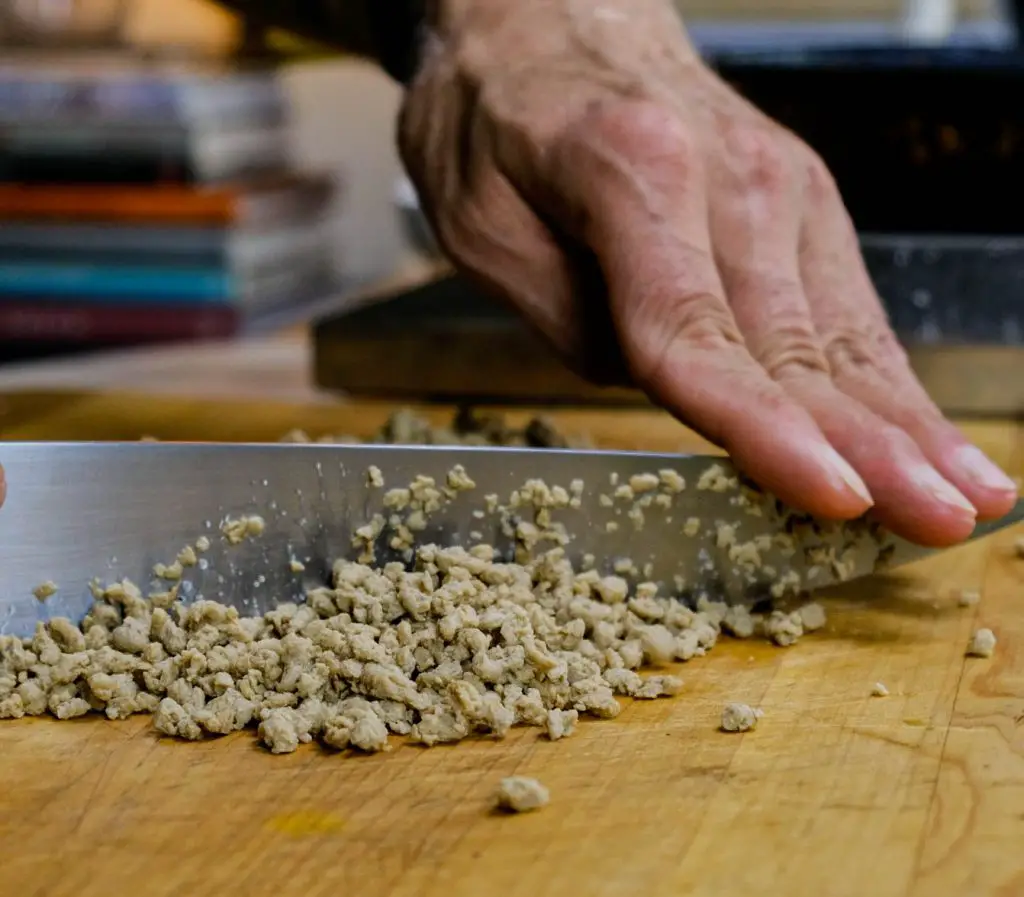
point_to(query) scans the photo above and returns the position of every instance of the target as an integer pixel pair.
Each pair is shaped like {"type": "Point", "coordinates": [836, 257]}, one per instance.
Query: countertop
{"type": "Point", "coordinates": [835, 793]}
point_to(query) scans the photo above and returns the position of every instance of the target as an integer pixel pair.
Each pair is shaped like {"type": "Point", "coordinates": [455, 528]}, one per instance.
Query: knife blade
{"type": "Point", "coordinates": [83, 512]}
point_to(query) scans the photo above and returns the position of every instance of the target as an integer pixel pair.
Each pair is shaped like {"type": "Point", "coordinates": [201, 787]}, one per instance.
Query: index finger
{"type": "Point", "coordinates": [3, 487]}
{"type": "Point", "coordinates": [640, 199]}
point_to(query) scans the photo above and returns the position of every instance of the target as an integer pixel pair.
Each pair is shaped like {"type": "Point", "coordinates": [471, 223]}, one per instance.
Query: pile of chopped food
{"type": "Point", "coordinates": [454, 641]}
{"type": "Point", "coordinates": [458, 643]}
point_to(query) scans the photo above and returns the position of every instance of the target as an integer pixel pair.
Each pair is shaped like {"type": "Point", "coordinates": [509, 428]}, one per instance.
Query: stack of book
{"type": "Point", "coordinates": [143, 201]}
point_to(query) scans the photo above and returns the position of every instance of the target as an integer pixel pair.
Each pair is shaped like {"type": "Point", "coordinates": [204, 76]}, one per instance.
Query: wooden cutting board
{"type": "Point", "coordinates": [835, 793]}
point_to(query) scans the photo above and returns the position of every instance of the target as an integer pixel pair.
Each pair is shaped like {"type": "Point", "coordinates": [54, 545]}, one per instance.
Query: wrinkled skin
{"type": "Point", "coordinates": [578, 160]}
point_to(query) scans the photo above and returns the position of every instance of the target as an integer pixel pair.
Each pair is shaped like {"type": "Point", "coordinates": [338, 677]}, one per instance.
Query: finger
{"type": "Point", "coordinates": [756, 226]}
{"type": "Point", "coordinates": [3, 487]}
{"type": "Point", "coordinates": [868, 363]}
{"type": "Point", "coordinates": [755, 217]}
{"type": "Point", "coordinates": [638, 198]}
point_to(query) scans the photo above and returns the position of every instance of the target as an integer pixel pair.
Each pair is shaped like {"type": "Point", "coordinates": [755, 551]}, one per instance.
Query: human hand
{"type": "Point", "coordinates": [581, 162]}
{"type": "Point", "coordinates": [3, 487]}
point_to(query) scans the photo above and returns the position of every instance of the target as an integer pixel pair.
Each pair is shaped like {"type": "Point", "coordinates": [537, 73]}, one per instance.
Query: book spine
{"type": "Point", "coordinates": [53, 240]}
{"type": "Point", "coordinates": [66, 257]}
{"type": "Point", "coordinates": [138, 156]}
{"type": "Point", "coordinates": [246, 268]}
{"type": "Point", "coordinates": [140, 99]}
{"type": "Point", "coordinates": [117, 169]}
{"type": "Point", "coordinates": [168, 205]}
{"type": "Point", "coordinates": [111, 284]}
{"type": "Point", "coordinates": [83, 324]}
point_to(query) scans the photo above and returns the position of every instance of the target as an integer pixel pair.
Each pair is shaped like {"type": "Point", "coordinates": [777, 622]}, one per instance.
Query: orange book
{"type": "Point", "coordinates": [253, 204]}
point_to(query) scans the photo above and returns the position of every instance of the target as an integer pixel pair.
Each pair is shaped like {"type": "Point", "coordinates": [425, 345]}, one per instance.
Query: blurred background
{"type": "Point", "coordinates": [170, 175]}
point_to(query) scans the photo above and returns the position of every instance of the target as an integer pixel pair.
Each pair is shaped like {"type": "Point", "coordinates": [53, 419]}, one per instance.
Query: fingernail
{"type": "Point", "coordinates": [842, 469]}
{"type": "Point", "coordinates": [927, 477]}
{"type": "Point", "coordinates": [980, 469]}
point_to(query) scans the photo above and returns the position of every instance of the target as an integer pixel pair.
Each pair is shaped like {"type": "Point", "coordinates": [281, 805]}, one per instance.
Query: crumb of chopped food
{"type": "Point", "coordinates": [202, 544]}
{"type": "Point", "coordinates": [45, 590]}
{"type": "Point", "coordinates": [739, 622]}
{"type": "Point", "coordinates": [168, 571]}
{"type": "Point", "coordinates": [784, 629]}
{"type": "Point", "coordinates": [187, 557]}
{"type": "Point", "coordinates": [459, 480]}
{"type": "Point", "coordinates": [739, 717]}
{"type": "Point", "coordinates": [879, 690]}
{"type": "Point", "coordinates": [238, 530]}
{"type": "Point", "coordinates": [982, 644]}
{"type": "Point", "coordinates": [812, 616]}
{"type": "Point", "coordinates": [520, 794]}
{"type": "Point", "coordinates": [296, 566]}
{"type": "Point", "coordinates": [561, 723]}
{"type": "Point", "coordinates": [374, 477]}
{"type": "Point", "coordinates": [968, 597]}
{"type": "Point", "coordinates": [717, 478]}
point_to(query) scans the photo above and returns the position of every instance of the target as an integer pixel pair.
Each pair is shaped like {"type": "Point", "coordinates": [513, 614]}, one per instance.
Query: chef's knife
{"type": "Point", "coordinates": [79, 512]}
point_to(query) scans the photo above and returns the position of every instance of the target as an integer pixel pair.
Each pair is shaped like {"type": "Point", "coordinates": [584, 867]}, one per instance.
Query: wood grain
{"type": "Point", "coordinates": [920, 794]}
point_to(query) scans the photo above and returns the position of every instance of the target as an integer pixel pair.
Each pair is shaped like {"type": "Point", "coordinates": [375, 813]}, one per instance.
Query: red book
{"type": "Point", "coordinates": [47, 322]}
{"type": "Point", "coordinates": [258, 203]}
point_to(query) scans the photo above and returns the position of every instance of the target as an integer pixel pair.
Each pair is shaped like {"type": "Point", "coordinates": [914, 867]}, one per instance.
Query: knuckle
{"type": "Point", "coordinates": [693, 322]}
{"type": "Point", "coordinates": [870, 363]}
{"type": "Point", "coordinates": [851, 350]}
{"type": "Point", "coordinates": [759, 157]}
{"type": "Point", "coordinates": [868, 348]}
{"type": "Point", "coordinates": [821, 186]}
{"type": "Point", "coordinates": [793, 350]}
{"type": "Point", "coordinates": [642, 131]}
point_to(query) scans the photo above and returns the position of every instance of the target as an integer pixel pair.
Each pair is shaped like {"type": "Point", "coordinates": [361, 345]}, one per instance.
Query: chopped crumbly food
{"type": "Point", "coordinates": [448, 643]}
{"type": "Point", "coordinates": [187, 557]}
{"type": "Point", "coordinates": [45, 590]}
{"type": "Point", "coordinates": [879, 690]}
{"type": "Point", "coordinates": [812, 617]}
{"type": "Point", "coordinates": [784, 629]}
{"type": "Point", "coordinates": [739, 622]}
{"type": "Point", "coordinates": [468, 427]}
{"type": "Point", "coordinates": [982, 644]}
{"type": "Point", "coordinates": [296, 566]}
{"type": "Point", "coordinates": [520, 794]}
{"type": "Point", "coordinates": [458, 643]}
{"type": "Point", "coordinates": [239, 529]}
{"type": "Point", "coordinates": [168, 571]}
{"type": "Point", "coordinates": [454, 644]}
{"type": "Point", "coordinates": [968, 597]}
{"type": "Point", "coordinates": [561, 723]}
{"type": "Point", "coordinates": [739, 717]}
